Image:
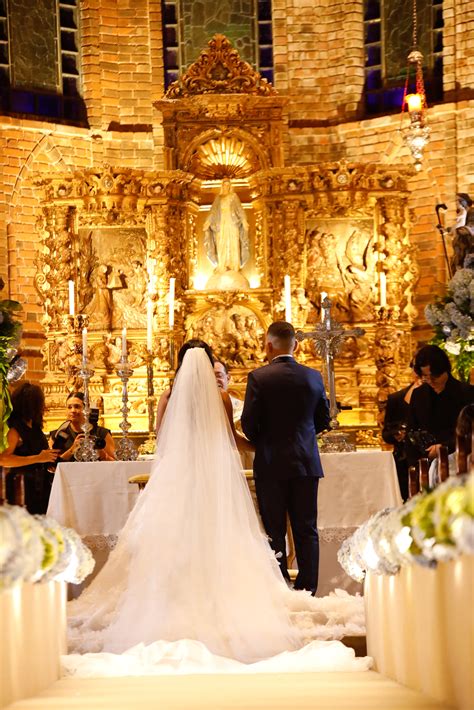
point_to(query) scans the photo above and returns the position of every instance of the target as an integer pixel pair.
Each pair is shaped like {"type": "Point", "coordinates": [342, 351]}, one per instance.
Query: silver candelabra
{"type": "Point", "coordinates": [126, 449]}
{"type": "Point", "coordinates": [149, 446]}
{"type": "Point", "coordinates": [86, 451]}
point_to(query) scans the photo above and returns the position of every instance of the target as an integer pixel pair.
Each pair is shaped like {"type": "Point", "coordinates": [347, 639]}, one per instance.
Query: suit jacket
{"type": "Point", "coordinates": [285, 407]}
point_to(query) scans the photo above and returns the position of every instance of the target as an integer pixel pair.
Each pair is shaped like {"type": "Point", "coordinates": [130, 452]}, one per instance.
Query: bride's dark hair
{"type": "Point", "coordinates": [194, 343]}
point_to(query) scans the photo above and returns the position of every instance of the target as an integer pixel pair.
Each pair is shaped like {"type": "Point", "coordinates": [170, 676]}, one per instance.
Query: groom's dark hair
{"type": "Point", "coordinates": [283, 332]}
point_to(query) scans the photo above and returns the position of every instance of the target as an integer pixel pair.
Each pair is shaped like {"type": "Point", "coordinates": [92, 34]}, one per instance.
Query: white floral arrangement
{"type": "Point", "coordinates": [452, 320]}
{"type": "Point", "coordinates": [35, 548]}
{"type": "Point", "coordinates": [429, 528]}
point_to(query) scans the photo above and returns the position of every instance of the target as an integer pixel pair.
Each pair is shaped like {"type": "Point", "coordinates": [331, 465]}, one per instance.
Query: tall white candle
{"type": "Point", "coordinates": [124, 342]}
{"type": "Point", "coordinates": [84, 342]}
{"type": "Point", "coordinates": [72, 300]}
{"type": "Point", "coordinates": [323, 296]}
{"type": "Point", "coordinates": [149, 325]}
{"type": "Point", "coordinates": [383, 289]}
{"type": "Point", "coordinates": [287, 298]}
{"type": "Point", "coordinates": [171, 302]}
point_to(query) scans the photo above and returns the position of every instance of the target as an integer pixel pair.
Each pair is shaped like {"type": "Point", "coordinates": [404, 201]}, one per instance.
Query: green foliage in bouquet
{"type": "Point", "coordinates": [452, 320]}
{"type": "Point", "coordinates": [10, 334]}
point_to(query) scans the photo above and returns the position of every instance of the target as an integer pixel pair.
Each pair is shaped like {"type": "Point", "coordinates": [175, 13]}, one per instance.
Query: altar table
{"type": "Point", "coordinates": [95, 499]}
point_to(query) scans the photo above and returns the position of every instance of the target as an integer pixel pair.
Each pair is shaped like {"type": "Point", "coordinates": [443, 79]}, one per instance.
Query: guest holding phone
{"type": "Point", "coordinates": [69, 435]}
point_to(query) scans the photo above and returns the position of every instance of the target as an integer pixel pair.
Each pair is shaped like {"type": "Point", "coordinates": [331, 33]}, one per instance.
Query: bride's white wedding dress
{"type": "Point", "coordinates": [193, 585]}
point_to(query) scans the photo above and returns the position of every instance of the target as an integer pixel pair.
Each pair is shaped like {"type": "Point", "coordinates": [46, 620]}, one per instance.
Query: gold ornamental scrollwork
{"type": "Point", "coordinates": [219, 70]}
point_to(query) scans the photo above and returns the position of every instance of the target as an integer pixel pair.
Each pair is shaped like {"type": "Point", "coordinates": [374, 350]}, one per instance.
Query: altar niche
{"type": "Point", "coordinates": [225, 222]}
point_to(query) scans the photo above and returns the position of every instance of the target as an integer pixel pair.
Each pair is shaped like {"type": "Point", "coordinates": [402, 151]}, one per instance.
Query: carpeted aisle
{"type": "Point", "coordinates": [318, 691]}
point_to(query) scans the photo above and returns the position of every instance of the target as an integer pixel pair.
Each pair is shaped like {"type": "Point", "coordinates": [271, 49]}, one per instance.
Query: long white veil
{"type": "Point", "coordinates": [191, 561]}
{"type": "Point", "coordinates": [192, 576]}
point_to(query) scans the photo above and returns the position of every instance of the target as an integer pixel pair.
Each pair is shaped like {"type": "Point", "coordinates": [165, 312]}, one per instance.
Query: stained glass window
{"type": "Point", "coordinates": [188, 25]}
{"type": "Point", "coordinates": [39, 59]}
{"type": "Point", "coordinates": [388, 30]}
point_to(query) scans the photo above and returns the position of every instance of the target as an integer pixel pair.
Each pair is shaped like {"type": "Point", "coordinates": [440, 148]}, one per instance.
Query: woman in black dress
{"type": "Point", "coordinates": [68, 437]}
{"type": "Point", "coordinates": [27, 453]}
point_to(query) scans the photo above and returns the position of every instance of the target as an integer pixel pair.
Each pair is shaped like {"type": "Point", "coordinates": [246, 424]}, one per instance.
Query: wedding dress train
{"type": "Point", "coordinates": [193, 585]}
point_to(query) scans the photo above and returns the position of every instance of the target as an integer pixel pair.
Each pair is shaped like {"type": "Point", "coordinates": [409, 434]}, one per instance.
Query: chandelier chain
{"type": "Point", "coordinates": [415, 26]}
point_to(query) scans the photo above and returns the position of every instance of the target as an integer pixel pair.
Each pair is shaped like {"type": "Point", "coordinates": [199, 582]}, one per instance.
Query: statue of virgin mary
{"type": "Point", "coordinates": [226, 238]}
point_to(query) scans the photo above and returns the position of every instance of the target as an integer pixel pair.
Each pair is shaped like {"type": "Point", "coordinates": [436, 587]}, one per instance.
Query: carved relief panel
{"type": "Point", "coordinates": [341, 258]}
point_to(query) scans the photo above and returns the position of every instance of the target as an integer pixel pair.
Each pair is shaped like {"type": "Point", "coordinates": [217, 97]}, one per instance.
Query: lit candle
{"type": "Point", "coordinates": [287, 299]}
{"type": "Point", "coordinates": [72, 304]}
{"type": "Point", "coordinates": [149, 325]}
{"type": "Point", "coordinates": [383, 289]}
{"type": "Point", "coordinates": [171, 302]}
{"type": "Point", "coordinates": [84, 343]}
{"type": "Point", "coordinates": [124, 342]}
{"type": "Point", "coordinates": [414, 101]}
{"type": "Point", "coordinates": [323, 296]}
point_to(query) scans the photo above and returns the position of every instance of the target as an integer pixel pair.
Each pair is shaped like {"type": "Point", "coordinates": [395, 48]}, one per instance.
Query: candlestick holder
{"type": "Point", "coordinates": [148, 447]}
{"type": "Point", "coordinates": [86, 451]}
{"type": "Point", "coordinates": [126, 449]}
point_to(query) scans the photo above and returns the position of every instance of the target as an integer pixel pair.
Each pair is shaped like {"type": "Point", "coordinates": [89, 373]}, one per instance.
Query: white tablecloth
{"type": "Point", "coordinates": [95, 499]}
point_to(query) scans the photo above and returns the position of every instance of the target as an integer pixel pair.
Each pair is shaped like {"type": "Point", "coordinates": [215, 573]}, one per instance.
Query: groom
{"type": "Point", "coordinates": [285, 407]}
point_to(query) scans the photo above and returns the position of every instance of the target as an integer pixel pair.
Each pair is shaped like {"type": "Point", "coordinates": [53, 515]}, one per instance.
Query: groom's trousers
{"type": "Point", "coordinates": [297, 497]}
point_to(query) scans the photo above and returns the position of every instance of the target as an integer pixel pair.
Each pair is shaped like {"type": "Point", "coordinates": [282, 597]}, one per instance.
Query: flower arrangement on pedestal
{"type": "Point", "coordinates": [429, 528]}
{"type": "Point", "coordinates": [11, 366]}
{"type": "Point", "coordinates": [35, 548]}
{"type": "Point", "coordinates": [452, 320]}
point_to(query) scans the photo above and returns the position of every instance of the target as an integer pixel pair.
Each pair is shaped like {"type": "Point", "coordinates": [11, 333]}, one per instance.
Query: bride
{"type": "Point", "coordinates": [192, 574]}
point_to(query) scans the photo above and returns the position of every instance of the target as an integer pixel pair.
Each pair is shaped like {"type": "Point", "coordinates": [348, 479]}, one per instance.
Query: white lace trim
{"type": "Point", "coordinates": [100, 542]}
{"type": "Point", "coordinates": [335, 534]}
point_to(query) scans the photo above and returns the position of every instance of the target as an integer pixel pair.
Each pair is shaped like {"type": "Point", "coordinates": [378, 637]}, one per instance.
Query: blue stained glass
{"type": "Point", "coordinates": [22, 102]}
{"type": "Point", "coordinates": [265, 33]}
{"type": "Point", "coordinates": [373, 103]}
{"type": "Point", "coordinates": [372, 56]}
{"type": "Point", "coordinates": [264, 10]}
{"type": "Point", "coordinates": [372, 11]}
{"type": "Point", "coordinates": [372, 32]}
{"type": "Point", "coordinates": [48, 106]}
{"type": "Point", "coordinates": [170, 14]}
{"type": "Point", "coordinates": [374, 80]}
{"type": "Point", "coordinates": [266, 56]}
{"type": "Point", "coordinates": [267, 74]}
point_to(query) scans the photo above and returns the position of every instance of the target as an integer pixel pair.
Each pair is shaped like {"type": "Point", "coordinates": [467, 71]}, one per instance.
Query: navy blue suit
{"type": "Point", "coordinates": [285, 407]}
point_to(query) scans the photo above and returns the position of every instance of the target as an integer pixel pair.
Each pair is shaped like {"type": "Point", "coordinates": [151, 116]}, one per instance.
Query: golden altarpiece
{"type": "Point", "coordinates": [122, 234]}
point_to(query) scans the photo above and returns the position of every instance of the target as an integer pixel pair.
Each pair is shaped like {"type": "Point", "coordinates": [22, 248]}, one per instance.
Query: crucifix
{"type": "Point", "coordinates": [328, 337]}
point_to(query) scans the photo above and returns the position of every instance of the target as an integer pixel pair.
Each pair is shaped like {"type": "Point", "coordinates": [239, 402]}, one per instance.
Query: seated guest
{"type": "Point", "coordinates": [435, 406]}
{"type": "Point", "coordinates": [69, 435]}
{"type": "Point", "coordinates": [395, 428]}
{"type": "Point", "coordinates": [464, 439]}
{"type": "Point", "coordinates": [27, 451]}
